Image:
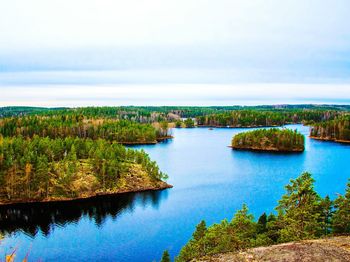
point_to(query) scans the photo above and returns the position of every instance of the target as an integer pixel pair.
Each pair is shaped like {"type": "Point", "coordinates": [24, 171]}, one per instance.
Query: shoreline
{"type": "Point", "coordinates": [214, 126]}
{"type": "Point", "coordinates": [330, 140]}
{"type": "Point", "coordinates": [274, 150]}
{"type": "Point", "coordinates": [163, 185]}
{"type": "Point", "coordinates": [253, 126]}
{"type": "Point", "coordinates": [158, 140]}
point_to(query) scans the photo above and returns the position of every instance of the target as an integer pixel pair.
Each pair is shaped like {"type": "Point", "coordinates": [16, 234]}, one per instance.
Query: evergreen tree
{"type": "Point", "coordinates": [40, 168]}
{"type": "Point", "coordinates": [262, 224]}
{"type": "Point", "coordinates": [189, 123]}
{"type": "Point", "coordinates": [326, 212]}
{"type": "Point", "coordinates": [178, 123]}
{"type": "Point", "coordinates": [200, 231]}
{"type": "Point", "coordinates": [300, 209]}
{"type": "Point", "coordinates": [341, 217]}
{"type": "Point", "coordinates": [165, 257]}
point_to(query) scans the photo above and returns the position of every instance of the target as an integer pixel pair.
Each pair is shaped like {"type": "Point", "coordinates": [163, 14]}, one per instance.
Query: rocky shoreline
{"type": "Point", "coordinates": [161, 185]}
{"type": "Point", "coordinates": [269, 149]}
{"type": "Point", "coordinates": [253, 126]}
{"type": "Point", "coordinates": [161, 139]}
{"type": "Point", "coordinates": [330, 139]}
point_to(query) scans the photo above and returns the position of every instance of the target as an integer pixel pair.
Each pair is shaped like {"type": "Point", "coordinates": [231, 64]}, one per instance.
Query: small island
{"type": "Point", "coordinates": [273, 140]}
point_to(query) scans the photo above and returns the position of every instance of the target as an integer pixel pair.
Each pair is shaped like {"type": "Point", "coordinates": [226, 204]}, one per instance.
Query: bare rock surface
{"type": "Point", "coordinates": [327, 249]}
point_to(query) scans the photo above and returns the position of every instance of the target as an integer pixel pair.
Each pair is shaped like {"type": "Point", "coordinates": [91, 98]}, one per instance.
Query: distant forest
{"type": "Point", "coordinates": [334, 130]}
{"type": "Point", "coordinates": [159, 113]}
{"type": "Point", "coordinates": [60, 126]}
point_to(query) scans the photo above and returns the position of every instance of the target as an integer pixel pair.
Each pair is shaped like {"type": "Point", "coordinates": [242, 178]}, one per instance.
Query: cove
{"type": "Point", "coordinates": [211, 181]}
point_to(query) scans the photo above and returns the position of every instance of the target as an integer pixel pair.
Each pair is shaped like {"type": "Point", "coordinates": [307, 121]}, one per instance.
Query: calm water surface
{"type": "Point", "coordinates": [210, 180]}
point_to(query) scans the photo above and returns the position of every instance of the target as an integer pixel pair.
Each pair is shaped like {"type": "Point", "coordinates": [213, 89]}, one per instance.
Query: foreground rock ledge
{"type": "Point", "coordinates": [327, 249]}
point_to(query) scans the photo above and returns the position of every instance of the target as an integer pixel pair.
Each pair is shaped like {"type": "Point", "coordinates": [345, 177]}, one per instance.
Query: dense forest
{"type": "Point", "coordinates": [272, 139]}
{"type": "Point", "coordinates": [214, 115]}
{"type": "Point", "coordinates": [333, 130]}
{"type": "Point", "coordinates": [302, 214]}
{"type": "Point", "coordinates": [10, 111]}
{"type": "Point", "coordinates": [60, 126]}
{"type": "Point", "coordinates": [255, 118]}
{"type": "Point", "coordinates": [40, 168]}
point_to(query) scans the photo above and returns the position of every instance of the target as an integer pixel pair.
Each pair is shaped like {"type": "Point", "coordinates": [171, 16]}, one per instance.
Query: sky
{"type": "Point", "coordinates": [183, 52]}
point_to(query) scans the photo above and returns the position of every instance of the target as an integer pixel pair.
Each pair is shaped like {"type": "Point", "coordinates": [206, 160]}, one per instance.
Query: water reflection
{"type": "Point", "coordinates": [44, 217]}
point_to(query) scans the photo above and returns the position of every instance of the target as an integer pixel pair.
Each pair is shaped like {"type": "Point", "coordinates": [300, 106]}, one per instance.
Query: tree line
{"type": "Point", "coordinates": [257, 118]}
{"type": "Point", "coordinates": [212, 115]}
{"type": "Point", "coordinates": [43, 168]}
{"type": "Point", "coordinates": [273, 139]}
{"type": "Point", "coordinates": [301, 214]}
{"type": "Point", "coordinates": [337, 129]}
{"type": "Point", "coordinates": [60, 126]}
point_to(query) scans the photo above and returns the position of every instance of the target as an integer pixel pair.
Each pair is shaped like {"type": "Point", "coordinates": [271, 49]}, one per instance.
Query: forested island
{"type": "Point", "coordinates": [273, 139]}
{"type": "Point", "coordinates": [302, 214]}
{"type": "Point", "coordinates": [337, 130]}
{"type": "Point", "coordinates": [46, 169]}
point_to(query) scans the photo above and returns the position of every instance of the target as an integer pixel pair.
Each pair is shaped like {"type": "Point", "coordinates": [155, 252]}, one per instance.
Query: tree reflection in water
{"type": "Point", "coordinates": [35, 217]}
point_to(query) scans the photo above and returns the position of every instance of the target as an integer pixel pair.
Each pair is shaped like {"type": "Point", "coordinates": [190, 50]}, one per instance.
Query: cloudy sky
{"type": "Point", "coordinates": [185, 52]}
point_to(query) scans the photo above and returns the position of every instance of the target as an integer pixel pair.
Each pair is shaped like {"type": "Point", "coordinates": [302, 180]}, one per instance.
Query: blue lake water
{"type": "Point", "coordinates": [210, 180]}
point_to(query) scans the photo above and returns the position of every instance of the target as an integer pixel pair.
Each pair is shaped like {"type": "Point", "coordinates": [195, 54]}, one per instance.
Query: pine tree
{"type": "Point", "coordinates": [300, 209]}
{"type": "Point", "coordinates": [200, 231]}
{"type": "Point", "coordinates": [262, 223]}
{"type": "Point", "coordinates": [341, 217]}
{"type": "Point", "coordinates": [165, 256]}
{"type": "Point", "coordinates": [326, 211]}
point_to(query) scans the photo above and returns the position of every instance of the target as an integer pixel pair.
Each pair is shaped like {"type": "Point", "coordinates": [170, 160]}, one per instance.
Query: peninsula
{"type": "Point", "coordinates": [43, 169]}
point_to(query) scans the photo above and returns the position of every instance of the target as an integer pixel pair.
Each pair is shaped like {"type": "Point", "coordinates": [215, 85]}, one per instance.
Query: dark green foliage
{"type": "Point", "coordinates": [261, 117]}
{"type": "Point", "coordinates": [337, 129]}
{"type": "Point", "coordinates": [341, 217]}
{"type": "Point", "coordinates": [326, 213]}
{"type": "Point", "coordinates": [223, 237]}
{"type": "Point", "coordinates": [40, 168]}
{"type": "Point", "coordinates": [300, 210]}
{"type": "Point", "coordinates": [189, 123]}
{"type": "Point", "coordinates": [62, 153]}
{"type": "Point", "coordinates": [200, 231]}
{"type": "Point", "coordinates": [302, 214]}
{"type": "Point", "coordinates": [157, 113]}
{"type": "Point", "coordinates": [10, 111]}
{"type": "Point", "coordinates": [178, 123]}
{"type": "Point", "coordinates": [272, 139]}
{"type": "Point", "coordinates": [121, 131]}
{"type": "Point", "coordinates": [262, 224]}
{"type": "Point", "coordinates": [233, 116]}
{"type": "Point", "coordinates": [165, 256]}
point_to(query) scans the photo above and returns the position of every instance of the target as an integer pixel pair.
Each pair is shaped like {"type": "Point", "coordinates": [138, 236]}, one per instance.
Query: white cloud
{"type": "Point", "coordinates": [225, 43]}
